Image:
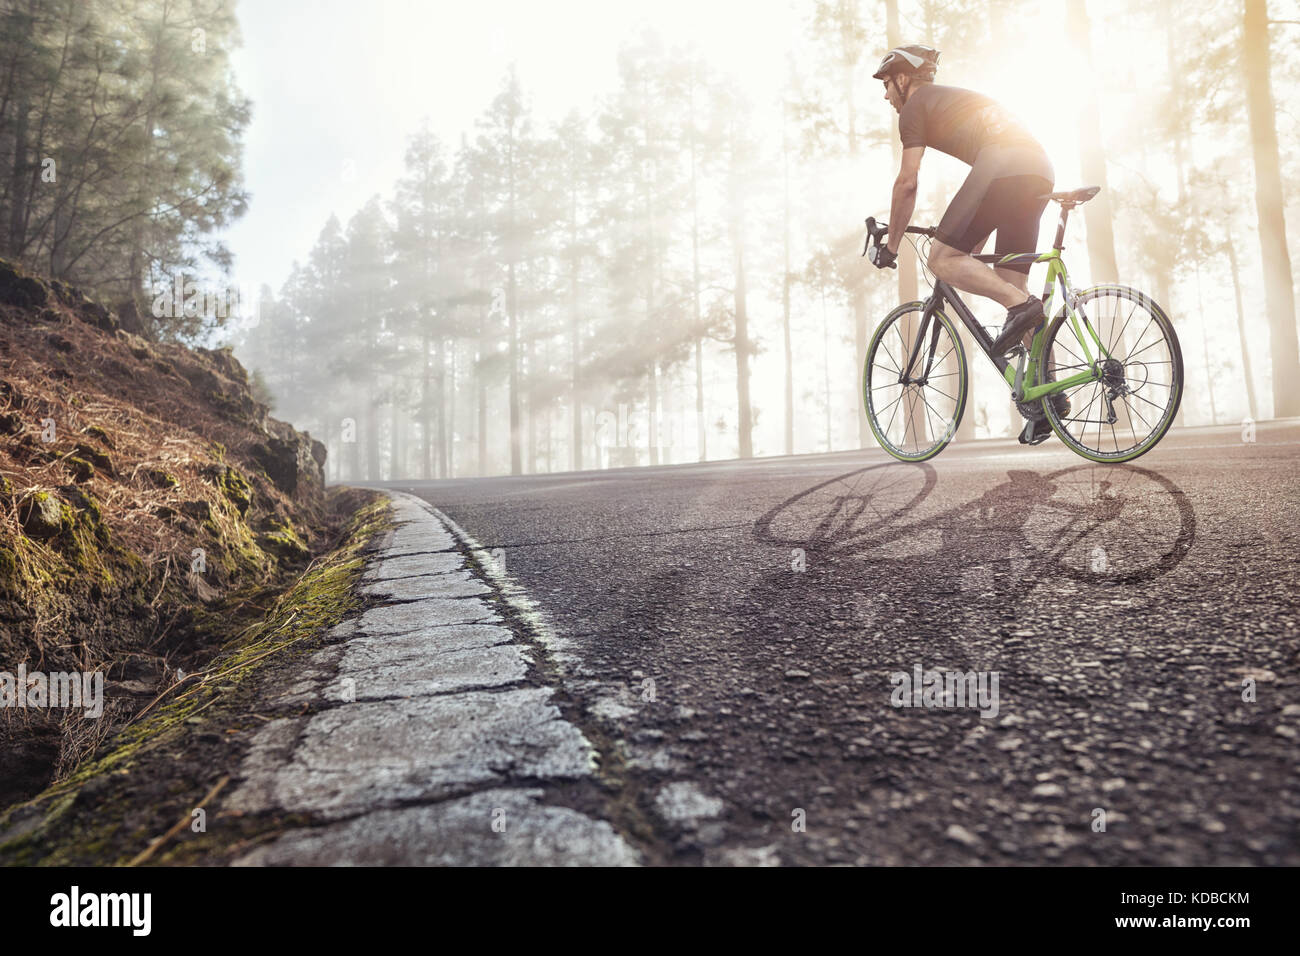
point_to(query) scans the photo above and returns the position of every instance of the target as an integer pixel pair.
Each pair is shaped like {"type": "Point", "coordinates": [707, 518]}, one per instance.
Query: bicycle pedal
{"type": "Point", "coordinates": [1035, 432]}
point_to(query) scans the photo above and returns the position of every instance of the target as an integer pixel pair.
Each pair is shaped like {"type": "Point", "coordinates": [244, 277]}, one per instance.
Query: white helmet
{"type": "Point", "coordinates": [916, 60]}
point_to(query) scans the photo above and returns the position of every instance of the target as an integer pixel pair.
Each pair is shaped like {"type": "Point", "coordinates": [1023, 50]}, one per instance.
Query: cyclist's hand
{"type": "Point", "coordinates": [882, 258]}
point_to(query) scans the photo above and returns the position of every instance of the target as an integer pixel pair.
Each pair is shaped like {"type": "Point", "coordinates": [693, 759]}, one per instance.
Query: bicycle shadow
{"type": "Point", "coordinates": [1094, 525]}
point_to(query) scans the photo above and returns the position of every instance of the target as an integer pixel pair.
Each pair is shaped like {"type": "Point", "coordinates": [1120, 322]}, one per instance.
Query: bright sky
{"type": "Point", "coordinates": [339, 86]}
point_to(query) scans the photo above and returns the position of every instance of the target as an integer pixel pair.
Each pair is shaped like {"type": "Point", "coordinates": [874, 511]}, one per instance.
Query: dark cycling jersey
{"type": "Point", "coordinates": [1010, 172]}
{"type": "Point", "coordinates": [957, 122]}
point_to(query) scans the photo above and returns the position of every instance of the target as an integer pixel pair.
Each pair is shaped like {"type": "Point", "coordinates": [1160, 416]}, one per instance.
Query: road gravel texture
{"type": "Point", "coordinates": [722, 637]}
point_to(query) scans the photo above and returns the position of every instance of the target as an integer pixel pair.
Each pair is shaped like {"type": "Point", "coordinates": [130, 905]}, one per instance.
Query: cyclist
{"type": "Point", "coordinates": [1006, 190]}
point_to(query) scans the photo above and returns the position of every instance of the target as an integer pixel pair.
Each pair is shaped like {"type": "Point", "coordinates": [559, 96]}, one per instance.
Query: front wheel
{"type": "Point", "coordinates": [914, 416]}
{"type": "Point", "coordinates": [1129, 409]}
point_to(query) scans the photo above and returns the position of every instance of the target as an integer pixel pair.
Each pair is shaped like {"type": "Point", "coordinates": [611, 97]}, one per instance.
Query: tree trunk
{"type": "Point", "coordinates": [17, 239]}
{"type": "Point", "coordinates": [512, 292]}
{"type": "Point", "coordinates": [826, 367]}
{"type": "Point", "coordinates": [1164, 290]}
{"type": "Point", "coordinates": [481, 389]}
{"type": "Point", "coordinates": [442, 407]}
{"type": "Point", "coordinates": [1246, 371]}
{"type": "Point", "coordinates": [785, 290]}
{"type": "Point", "coordinates": [451, 412]}
{"type": "Point", "coordinates": [372, 434]}
{"type": "Point", "coordinates": [575, 382]}
{"type": "Point", "coordinates": [701, 432]}
{"type": "Point", "coordinates": [1279, 293]}
{"type": "Point", "coordinates": [530, 356]}
{"type": "Point", "coordinates": [1092, 158]}
{"type": "Point", "coordinates": [395, 437]}
{"type": "Point", "coordinates": [575, 330]}
{"type": "Point", "coordinates": [652, 417]}
{"type": "Point", "coordinates": [516, 464]}
{"type": "Point", "coordinates": [907, 275]}
{"type": "Point", "coordinates": [1205, 347]}
{"type": "Point", "coordinates": [744, 418]}
{"type": "Point", "coordinates": [426, 401]}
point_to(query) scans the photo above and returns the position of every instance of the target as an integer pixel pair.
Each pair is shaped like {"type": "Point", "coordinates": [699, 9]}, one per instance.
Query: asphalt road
{"type": "Point", "coordinates": [725, 635]}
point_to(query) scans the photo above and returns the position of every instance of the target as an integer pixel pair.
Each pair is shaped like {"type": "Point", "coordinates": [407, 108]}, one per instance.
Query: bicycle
{"type": "Point", "coordinates": [1109, 379]}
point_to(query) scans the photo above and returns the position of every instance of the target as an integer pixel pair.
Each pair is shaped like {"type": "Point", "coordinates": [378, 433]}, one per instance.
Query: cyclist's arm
{"type": "Point", "coordinates": [904, 200]}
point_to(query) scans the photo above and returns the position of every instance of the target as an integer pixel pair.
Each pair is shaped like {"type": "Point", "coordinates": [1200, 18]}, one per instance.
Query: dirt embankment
{"type": "Point", "coordinates": [150, 510]}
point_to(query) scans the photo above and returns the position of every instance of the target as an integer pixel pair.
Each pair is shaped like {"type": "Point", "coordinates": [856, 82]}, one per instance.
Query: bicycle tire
{"type": "Point", "coordinates": [1157, 316]}
{"type": "Point", "coordinates": [946, 427]}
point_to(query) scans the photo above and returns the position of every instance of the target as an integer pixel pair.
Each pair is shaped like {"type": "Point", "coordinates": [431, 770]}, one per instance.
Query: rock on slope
{"type": "Point", "coordinates": [148, 505]}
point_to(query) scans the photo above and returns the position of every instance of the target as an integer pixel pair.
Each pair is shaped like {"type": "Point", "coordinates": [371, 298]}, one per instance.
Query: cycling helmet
{"type": "Point", "coordinates": [916, 60]}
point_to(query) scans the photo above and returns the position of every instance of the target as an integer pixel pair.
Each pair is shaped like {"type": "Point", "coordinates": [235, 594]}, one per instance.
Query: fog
{"type": "Point", "coordinates": [528, 237]}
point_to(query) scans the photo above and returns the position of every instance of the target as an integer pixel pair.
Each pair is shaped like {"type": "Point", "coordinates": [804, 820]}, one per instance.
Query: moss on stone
{"type": "Point", "coordinates": [81, 469]}
{"type": "Point", "coordinates": [284, 544]}
{"type": "Point", "coordinates": [236, 489]}
{"type": "Point", "coordinates": [10, 577]}
{"type": "Point", "coordinates": [42, 515]}
{"type": "Point", "coordinates": [161, 479]}
{"type": "Point", "coordinates": [99, 434]}
{"type": "Point", "coordinates": [73, 823]}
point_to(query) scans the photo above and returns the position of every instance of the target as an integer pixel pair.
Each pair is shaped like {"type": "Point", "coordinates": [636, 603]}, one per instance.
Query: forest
{"type": "Point", "coordinates": [671, 271]}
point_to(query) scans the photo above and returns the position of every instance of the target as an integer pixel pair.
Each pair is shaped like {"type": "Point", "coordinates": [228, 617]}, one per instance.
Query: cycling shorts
{"type": "Point", "coordinates": [1002, 192]}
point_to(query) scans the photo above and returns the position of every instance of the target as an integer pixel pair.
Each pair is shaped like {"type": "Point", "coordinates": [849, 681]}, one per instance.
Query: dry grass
{"type": "Point", "coordinates": [116, 590]}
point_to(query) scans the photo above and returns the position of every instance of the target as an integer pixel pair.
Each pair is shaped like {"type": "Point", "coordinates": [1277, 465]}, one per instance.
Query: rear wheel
{"type": "Point", "coordinates": [1126, 412]}
{"type": "Point", "coordinates": [914, 417]}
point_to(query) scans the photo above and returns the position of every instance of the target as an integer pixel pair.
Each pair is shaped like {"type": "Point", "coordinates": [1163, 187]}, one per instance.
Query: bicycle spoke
{"type": "Point", "coordinates": [1120, 338]}
{"type": "Point", "coordinates": [896, 403]}
{"type": "Point", "coordinates": [897, 366]}
{"type": "Point", "coordinates": [905, 348]}
{"type": "Point", "coordinates": [1143, 349]}
{"type": "Point", "coordinates": [1147, 400]}
{"type": "Point", "coordinates": [1118, 312]}
{"type": "Point", "coordinates": [1084, 364]}
{"type": "Point", "coordinates": [910, 423]}
{"type": "Point", "coordinates": [933, 409]}
{"type": "Point", "coordinates": [1133, 410]}
{"type": "Point", "coordinates": [1129, 357]}
{"type": "Point", "coordinates": [1084, 411]}
{"type": "Point", "coordinates": [939, 361]}
{"type": "Point", "coordinates": [946, 395]}
{"type": "Point", "coordinates": [915, 422]}
{"type": "Point", "coordinates": [927, 414]}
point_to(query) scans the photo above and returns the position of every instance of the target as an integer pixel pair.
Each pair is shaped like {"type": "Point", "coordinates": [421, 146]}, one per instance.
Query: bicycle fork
{"type": "Point", "coordinates": [929, 324]}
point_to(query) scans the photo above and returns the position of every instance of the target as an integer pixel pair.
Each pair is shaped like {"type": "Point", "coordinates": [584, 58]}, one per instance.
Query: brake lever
{"type": "Point", "coordinates": [873, 232]}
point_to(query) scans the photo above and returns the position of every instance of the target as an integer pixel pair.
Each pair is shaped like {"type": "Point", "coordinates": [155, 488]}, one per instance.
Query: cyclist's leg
{"type": "Point", "coordinates": [955, 266]}
{"type": "Point", "coordinates": [966, 225]}
{"type": "Point", "coordinates": [1010, 276]}
{"type": "Point", "coordinates": [1014, 204]}
{"type": "Point", "coordinates": [1020, 202]}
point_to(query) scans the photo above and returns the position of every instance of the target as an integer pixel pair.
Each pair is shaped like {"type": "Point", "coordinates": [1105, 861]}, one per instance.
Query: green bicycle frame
{"type": "Point", "coordinates": [1056, 274]}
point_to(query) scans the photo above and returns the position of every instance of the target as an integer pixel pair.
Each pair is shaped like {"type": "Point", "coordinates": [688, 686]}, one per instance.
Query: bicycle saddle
{"type": "Point", "coordinates": [1082, 194]}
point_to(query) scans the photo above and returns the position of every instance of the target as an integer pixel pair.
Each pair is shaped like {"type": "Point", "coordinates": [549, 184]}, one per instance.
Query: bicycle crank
{"type": "Point", "coordinates": [1018, 389]}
